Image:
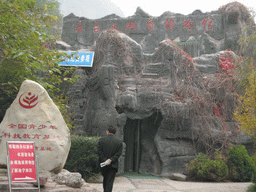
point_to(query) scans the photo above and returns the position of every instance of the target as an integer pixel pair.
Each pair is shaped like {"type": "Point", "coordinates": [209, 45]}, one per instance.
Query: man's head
{"type": "Point", "coordinates": [111, 130]}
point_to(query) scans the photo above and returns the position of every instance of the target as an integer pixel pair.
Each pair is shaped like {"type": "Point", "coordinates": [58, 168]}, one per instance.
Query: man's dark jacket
{"type": "Point", "coordinates": [110, 147]}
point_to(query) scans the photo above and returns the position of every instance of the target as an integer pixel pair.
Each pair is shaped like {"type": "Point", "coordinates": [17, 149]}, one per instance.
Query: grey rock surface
{"type": "Point", "coordinates": [208, 32]}
{"type": "Point", "coordinates": [178, 177]}
{"type": "Point", "coordinates": [161, 83]}
{"type": "Point", "coordinates": [70, 179]}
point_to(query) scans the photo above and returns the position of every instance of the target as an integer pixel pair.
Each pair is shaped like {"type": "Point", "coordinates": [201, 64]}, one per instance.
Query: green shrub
{"type": "Point", "coordinates": [241, 166]}
{"type": "Point", "coordinates": [251, 188]}
{"type": "Point", "coordinates": [83, 156]}
{"type": "Point", "coordinates": [204, 169]}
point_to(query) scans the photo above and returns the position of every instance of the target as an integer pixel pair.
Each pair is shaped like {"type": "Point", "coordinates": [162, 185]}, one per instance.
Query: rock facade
{"type": "Point", "coordinates": [199, 33]}
{"type": "Point", "coordinates": [33, 116]}
{"type": "Point", "coordinates": [166, 104]}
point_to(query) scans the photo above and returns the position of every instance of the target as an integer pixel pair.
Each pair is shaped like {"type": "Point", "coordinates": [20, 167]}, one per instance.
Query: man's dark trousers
{"type": "Point", "coordinates": [108, 174]}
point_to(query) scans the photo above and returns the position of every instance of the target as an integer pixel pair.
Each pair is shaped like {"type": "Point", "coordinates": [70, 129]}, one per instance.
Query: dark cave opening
{"type": "Point", "coordinates": [141, 152]}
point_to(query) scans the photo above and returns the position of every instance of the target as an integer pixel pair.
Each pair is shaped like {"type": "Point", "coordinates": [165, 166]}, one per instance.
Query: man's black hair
{"type": "Point", "coordinates": [112, 129]}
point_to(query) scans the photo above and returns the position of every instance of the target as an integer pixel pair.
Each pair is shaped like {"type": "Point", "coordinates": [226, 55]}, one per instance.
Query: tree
{"type": "Point", "coordinates": [53, 8]}
{"type": "Point", "coordinates": [245, 112]}
{"type": "Point", "coordinates": [25, 53]}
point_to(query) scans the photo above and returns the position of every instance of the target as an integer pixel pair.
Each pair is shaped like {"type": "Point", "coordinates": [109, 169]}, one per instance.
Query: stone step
{"type": "Point", "coordinates": [160, 69]}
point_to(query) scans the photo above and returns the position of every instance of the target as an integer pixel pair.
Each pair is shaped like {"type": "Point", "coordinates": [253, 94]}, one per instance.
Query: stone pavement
{"type": "Point", "coordinates": [127, 184]}
{"type": "Point", "coordinates": [49, 187]}
{"type": "Point", "coordinates": [124, 184]}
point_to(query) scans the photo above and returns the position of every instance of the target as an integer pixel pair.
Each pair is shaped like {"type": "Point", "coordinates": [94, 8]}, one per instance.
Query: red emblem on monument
{"type": "Point", "coordinates": [28, 101]}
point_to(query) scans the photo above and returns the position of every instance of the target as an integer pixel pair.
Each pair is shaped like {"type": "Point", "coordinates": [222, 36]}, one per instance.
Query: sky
{"type": "Point", "coordinates": [94, 9]}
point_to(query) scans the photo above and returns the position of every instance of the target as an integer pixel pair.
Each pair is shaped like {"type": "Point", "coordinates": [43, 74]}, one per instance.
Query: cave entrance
{"type": "Point", "coordinates": [132, 140]}
{"type": "Point", "coordinates": [141, 153]}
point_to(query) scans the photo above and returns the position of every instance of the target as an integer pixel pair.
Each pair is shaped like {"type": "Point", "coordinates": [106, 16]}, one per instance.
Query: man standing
{"type": "Point", "coordinates": [109, 150]}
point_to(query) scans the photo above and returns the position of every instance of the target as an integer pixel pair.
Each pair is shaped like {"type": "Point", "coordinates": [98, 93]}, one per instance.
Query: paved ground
{"type": "Point", "coordinates": [124, 184]}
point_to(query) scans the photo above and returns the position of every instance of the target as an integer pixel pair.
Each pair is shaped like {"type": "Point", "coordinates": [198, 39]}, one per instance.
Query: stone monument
{"type": "Point", "coordinates": [33, 116]}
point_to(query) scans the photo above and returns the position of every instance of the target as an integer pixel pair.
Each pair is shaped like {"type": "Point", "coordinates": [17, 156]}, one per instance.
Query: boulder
{"type": "Point", "coordinates": [207, 64]}
{"type": "Point", "coordinates": [65, 177]}
{"type": "Point", "coordinates": [210, 45]}
{"type": "Point", "coordinates": [174, 154]}
{"type": "Point", "coordinates": [33, 116]}
{"type": "Point", "coordinates": [178, 177]}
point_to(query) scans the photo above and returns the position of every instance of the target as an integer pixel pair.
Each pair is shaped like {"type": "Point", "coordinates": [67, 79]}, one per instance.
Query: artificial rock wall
{"type": "Point", "coordinates": [167, 104]}
{"type": "Point", "coordinates": [208, 32]}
